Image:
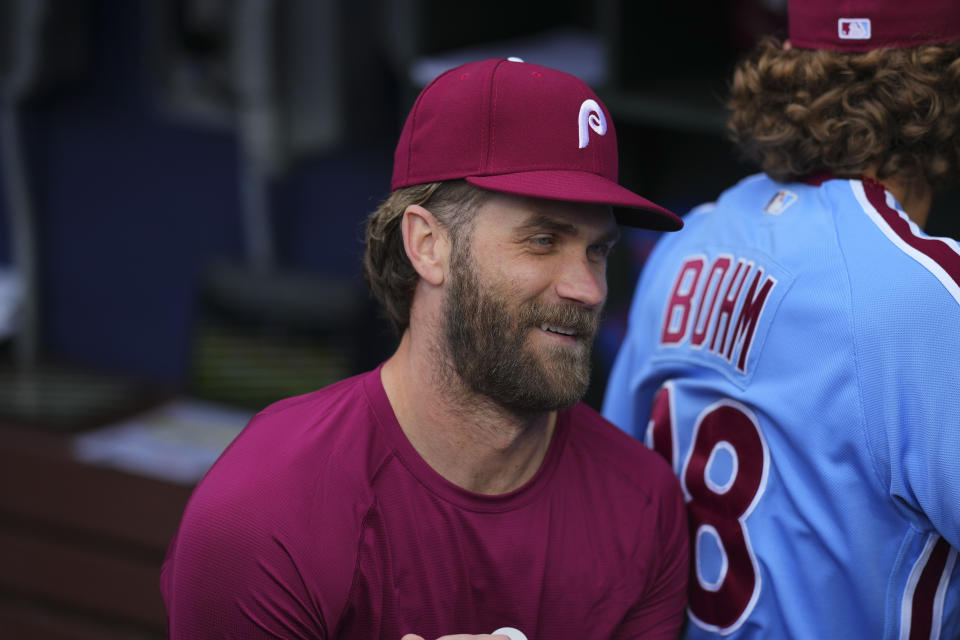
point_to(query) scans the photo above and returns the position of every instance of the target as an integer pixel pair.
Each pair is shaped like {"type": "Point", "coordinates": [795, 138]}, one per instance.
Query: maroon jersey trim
{"type": "Point", "coordinates": [929, 251]}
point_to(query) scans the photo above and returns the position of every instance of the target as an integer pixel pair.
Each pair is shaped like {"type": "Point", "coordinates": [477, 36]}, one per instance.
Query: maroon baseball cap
{"type": "Point", "coordinates": [862, 25]}
{"type": "Point", "coordinates": [519, 128]}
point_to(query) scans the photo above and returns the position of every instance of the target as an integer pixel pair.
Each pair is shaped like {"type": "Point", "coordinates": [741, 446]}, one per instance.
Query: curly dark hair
{"type": "Point", "coordinates": [797, 112]}
{"type": "Point", "coordinates": [386, 267]}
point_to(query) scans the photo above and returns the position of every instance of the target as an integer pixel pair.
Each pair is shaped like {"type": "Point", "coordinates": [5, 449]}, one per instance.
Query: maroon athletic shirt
{"type": "Point", "coordinates": [322, 521]}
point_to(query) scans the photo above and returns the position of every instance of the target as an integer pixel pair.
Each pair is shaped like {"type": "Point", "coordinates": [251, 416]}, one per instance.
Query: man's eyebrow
{"type": "Point", "coordinates": [539, 222]}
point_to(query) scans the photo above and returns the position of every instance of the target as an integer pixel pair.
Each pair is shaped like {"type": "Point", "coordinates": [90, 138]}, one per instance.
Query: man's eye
{"type": "Point", "coordinates": [599, 251]}
{"type": "Point", "coordinates": [542, 241]}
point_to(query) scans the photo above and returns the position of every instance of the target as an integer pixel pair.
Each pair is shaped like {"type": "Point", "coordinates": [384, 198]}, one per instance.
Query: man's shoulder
{"type": "Point", "coordinates": [313, 425]}
{"type": "Point", "coordinates": [617, 480]}
{"type": "Point", "coordinates": [300, 444]}
{"type": "Point", "coordinates": [753, 220]}
{"type": "Point", "coordinates": [597, 441]}
{"type": "Point", "coordinates": [282, 508]}
{"type": "Point", "coordinates": [340, 394]}
{"type": "Point", "coordinates": [594, 430]}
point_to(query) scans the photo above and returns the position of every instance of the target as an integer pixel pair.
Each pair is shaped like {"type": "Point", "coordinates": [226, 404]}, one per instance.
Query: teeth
{"type": "Point", "coordinates": [563, 330]}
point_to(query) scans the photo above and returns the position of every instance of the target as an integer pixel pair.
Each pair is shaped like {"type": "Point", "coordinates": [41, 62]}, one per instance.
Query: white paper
{"type": "Point", "coordinates": [177, 441]}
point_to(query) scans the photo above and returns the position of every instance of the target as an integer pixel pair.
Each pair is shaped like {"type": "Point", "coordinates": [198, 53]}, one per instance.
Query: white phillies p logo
{"type": "Point", "coordinates": [853, 28]}
{"type": "Point", "coordinates": [591, 117]}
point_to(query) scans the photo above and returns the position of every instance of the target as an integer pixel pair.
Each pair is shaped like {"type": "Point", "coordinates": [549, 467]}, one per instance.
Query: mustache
{"type": "Point", "coordinates": [585, 322]}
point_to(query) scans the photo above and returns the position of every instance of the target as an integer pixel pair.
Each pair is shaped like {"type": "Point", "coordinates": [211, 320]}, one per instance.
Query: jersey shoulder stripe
{"type": "Point", "coordinates": [940, 256]}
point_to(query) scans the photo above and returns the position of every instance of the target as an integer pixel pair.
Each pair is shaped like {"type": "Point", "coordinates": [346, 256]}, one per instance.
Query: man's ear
{"type": "Point", "coordinates": [426, 243]}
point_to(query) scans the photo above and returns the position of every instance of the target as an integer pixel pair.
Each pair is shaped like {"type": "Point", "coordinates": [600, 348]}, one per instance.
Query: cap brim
{"type": "Point", "coordinates": [580, 186]}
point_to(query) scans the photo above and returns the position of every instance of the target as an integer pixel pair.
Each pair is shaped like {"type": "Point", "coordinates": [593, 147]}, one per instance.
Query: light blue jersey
{"type": "Point", "coordinates": [794, 352]}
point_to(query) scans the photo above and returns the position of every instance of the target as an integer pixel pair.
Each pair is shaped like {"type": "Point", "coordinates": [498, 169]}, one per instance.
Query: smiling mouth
{"type": "Point", "coordinates": [563, 331]}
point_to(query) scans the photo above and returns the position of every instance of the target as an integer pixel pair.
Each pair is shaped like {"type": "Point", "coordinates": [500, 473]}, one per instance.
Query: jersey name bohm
{"type": "Point", "coordinates": [715, 307]}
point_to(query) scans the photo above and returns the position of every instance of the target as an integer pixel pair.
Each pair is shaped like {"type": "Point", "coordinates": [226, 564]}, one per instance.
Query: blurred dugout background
{"type": "Point", "coordinates": [184, 184]}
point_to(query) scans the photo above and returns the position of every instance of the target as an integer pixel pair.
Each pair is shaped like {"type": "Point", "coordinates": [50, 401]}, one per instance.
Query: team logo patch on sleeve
{"type": "Point", "coordinates": [780, 202]}
{"type": "Point", "coordinates": [719, 309]}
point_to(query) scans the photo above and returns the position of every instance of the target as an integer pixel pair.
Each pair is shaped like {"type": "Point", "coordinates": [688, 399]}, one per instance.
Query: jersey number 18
{"type": "Point", "coordinates": [717, 509]}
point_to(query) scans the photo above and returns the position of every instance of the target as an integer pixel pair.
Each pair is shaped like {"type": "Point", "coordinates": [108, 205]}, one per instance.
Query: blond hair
{"type": "Point", "coordinates": [386, 267]}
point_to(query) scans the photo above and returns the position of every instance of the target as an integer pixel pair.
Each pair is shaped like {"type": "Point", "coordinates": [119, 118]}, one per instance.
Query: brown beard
{"type": "Point", "coordinates": [486, 341]}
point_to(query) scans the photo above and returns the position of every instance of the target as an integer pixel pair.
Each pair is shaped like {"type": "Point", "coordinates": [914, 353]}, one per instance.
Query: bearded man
{"type": "Point", "coordinates": [461, 487]}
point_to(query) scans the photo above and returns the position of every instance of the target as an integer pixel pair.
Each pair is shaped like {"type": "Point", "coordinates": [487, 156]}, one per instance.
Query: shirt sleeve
{"type": "Point", "coordinates": [227, 575]}
{"type": "Point", "coordinates": [909, 383]}
{"type": "Point", "coordinates": [248, 560]}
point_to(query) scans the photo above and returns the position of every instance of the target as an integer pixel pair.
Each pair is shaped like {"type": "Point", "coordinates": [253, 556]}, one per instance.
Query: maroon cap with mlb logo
{"type": "Point", "coordinates": [523, 129]}
{"type": "Point", "coordinates": [863, 25]}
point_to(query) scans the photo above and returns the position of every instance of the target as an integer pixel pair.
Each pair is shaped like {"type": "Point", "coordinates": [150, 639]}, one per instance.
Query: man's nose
{"type": "Point", "coordinates": [583, 282]}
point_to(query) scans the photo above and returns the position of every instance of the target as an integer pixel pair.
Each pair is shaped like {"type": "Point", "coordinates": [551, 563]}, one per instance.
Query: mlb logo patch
{"type": "Point", "coordinates": [853, 28]}
{"type": "Point", "coordinates": [779, 203]}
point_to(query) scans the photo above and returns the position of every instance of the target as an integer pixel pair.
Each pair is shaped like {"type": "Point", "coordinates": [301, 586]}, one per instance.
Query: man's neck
{"type": "Point", "coordinates": [467, 438]}
{"type": "Point", "coordinates": [915, 197]}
